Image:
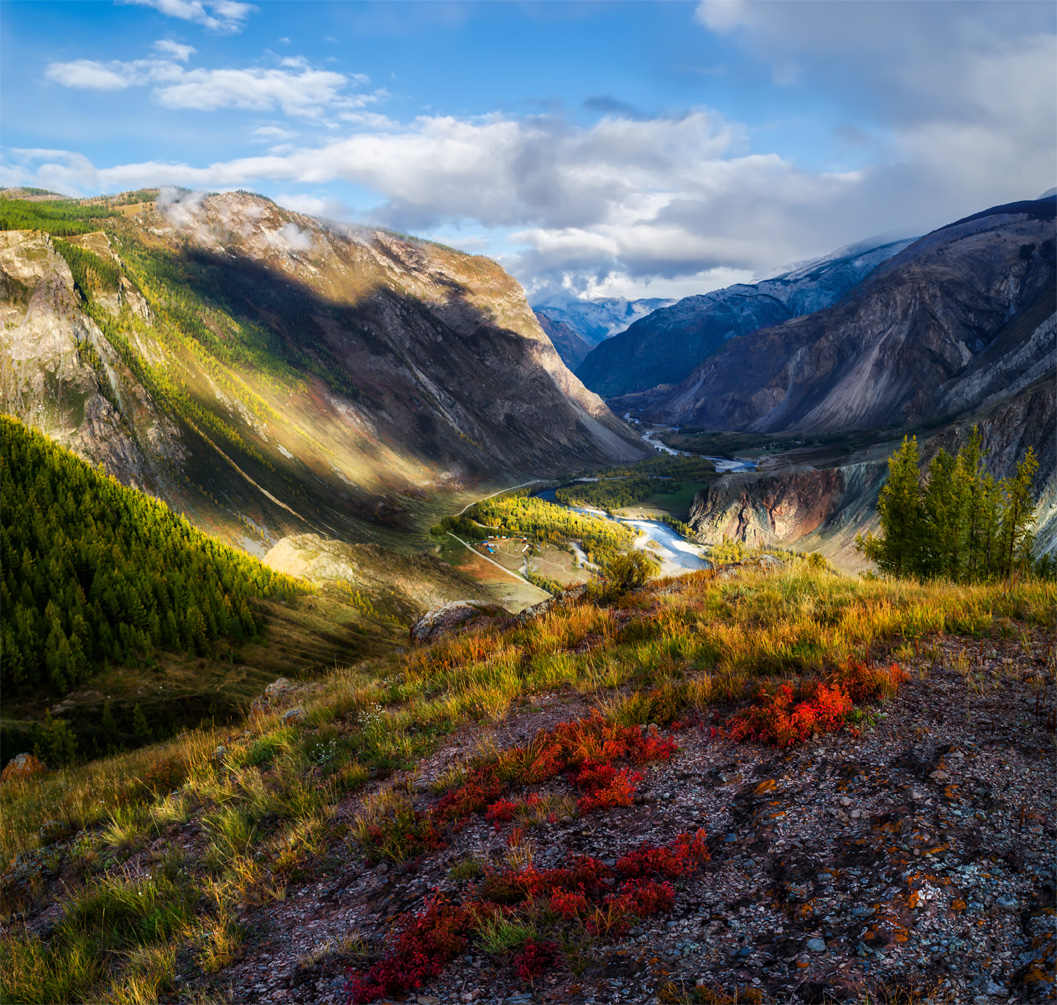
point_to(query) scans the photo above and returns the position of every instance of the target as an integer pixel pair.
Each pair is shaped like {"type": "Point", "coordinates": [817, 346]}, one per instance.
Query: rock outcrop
{"type": "Point", "coordinates": [455, 617]}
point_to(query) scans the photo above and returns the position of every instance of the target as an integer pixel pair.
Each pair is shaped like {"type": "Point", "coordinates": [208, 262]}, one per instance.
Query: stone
{"type": "Point", "coordinates": [294, 715]}
{"type": "Point", "coordinates": [23, 766]}
{"type": "Point", "coordinates": [452, 617]}
{"type": "Point", "coordinates": [816, 945]}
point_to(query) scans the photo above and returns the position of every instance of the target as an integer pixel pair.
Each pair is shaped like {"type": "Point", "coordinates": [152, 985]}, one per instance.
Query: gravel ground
{"type": "Point", "coordinates": [919, 854]}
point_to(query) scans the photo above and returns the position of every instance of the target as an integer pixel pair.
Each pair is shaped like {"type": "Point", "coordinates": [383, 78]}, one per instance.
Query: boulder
{"type": "Point", "coordinates": [23, 766]}
{"type": "Point", "coordinates": [453, 617]}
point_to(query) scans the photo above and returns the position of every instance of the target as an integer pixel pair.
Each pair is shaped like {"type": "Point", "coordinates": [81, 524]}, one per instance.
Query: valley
{"type": "Point", "coordinates": [353, 647]}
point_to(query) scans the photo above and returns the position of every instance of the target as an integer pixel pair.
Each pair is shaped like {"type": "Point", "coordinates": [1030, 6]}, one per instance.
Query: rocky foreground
{"type": "Point", "coordinates": [913, 859]}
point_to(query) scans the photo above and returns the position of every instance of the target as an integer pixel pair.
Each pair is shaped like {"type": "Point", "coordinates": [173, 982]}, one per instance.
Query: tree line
{"type": "Point", "coordinates": [60, 217]}
{"type": "Point", "coordinates": [955, 521]}
{"type": "Point", "coordinates": [94, 572]}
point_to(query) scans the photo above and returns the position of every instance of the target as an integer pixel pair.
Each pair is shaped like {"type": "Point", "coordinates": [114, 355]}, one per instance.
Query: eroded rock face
{"type": "Point", "coordinates": [768, 509]}
{"type": "Point", "coordinates": [454, 617]}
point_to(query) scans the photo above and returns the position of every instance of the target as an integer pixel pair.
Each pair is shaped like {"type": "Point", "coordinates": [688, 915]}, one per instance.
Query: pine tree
{"type": "Point", "coordinates": [943, 510]}
{"type": "Point", "coordinates": [1016, 534]}
{"type": "Point", "coordinates": [140, 727]}
{"type": "Point", "coordinates": [900, 510]}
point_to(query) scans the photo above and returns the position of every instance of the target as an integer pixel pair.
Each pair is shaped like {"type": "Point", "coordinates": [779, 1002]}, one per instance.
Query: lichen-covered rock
{"type": "Point", "coordinates": [23, 766]}
{"type": "Point", "coordinates": [453, 617]}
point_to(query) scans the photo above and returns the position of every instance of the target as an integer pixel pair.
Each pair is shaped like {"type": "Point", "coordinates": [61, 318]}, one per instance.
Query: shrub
{"type": "Point", "coordinates": [425, 944]}
{"type": "Point", "coordinates": [534, 958]}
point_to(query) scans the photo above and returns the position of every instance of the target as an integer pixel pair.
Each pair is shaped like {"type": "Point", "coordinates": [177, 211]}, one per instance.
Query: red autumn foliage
{"type": "Point", "coordinates": [569, 904]}
{"type": "Point", "coordinates": [423, 947]}
{"type": "Point", "coordinates": [784, 718]}
{"type": "Point", "coordinates": [534, 958]}
{"type": "Point", "coordinates": [583, 750]}
{"type": "Point", "coordinates": [605, 786]}
{"type": "Point", "coordinates": [680, 857]}
{"type": "Point", "coordinates": [501, 811]}
{"type": "Point", "coordinates": [581, 890]}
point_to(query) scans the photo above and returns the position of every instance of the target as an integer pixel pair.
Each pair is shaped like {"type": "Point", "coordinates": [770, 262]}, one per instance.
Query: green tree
{"type": "Point", "coordinates": [943, 512]}
{"type": "Point", "coordinates": [900, 509]}
{"type": "Point", "coordinates": [1016, 536]}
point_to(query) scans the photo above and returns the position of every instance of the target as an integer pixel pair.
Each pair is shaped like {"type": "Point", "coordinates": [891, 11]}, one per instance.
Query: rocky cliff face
{"type": "Point", "coordinates": [812, 509]}
{"type": "Point", "coordinates": [270, 375]}
{"type": "Point", "coordinates": [958, 319]}
{"type": "Point", "coordinates": [667, 345]}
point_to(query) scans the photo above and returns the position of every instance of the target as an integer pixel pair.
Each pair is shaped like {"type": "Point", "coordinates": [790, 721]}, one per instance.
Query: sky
{"type": "Point", "coordinates": [595, 149]}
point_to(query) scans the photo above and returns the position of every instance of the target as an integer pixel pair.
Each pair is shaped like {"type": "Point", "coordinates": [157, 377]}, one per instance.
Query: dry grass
{"type": "Point", "coordinates": [265, 807]}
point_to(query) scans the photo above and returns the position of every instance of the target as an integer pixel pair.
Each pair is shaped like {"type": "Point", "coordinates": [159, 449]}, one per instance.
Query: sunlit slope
{"type": "Point", "coordinates": [270, 376]}
{"type": "Point", "coordinates": [111, 599]}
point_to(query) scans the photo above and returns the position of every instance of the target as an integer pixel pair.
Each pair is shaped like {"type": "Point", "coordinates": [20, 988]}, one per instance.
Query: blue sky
{"type": "Point", "coordinates": [625, 149]}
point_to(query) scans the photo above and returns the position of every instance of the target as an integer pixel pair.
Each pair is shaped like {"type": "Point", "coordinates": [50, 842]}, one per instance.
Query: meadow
{"type": "Point", "coordinates": [246, 813]}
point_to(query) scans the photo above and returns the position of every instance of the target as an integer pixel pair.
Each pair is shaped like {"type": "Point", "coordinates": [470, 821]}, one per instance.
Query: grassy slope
{"type": "Point", "coordinates": [267, 814]}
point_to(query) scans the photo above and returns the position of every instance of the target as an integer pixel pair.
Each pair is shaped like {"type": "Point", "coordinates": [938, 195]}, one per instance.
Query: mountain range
{"type": "Point", "coordinates": [936, 335]}
{"type": "Point", "coordinates": [269, 375]}
{"type": "Point", "coordinates": [665, 346]}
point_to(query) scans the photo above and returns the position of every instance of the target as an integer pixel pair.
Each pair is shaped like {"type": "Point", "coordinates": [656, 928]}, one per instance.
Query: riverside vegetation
{"type": "Point", "coordinates": [267, 807]}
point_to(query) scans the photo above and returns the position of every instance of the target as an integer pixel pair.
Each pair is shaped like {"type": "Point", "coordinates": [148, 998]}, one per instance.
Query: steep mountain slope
{"type": "Point", "coordinates": [597, 320]}
{"type": "Point", "coordinates": [271, 376]}
{"type": "Point", "coordinates": [667, 345]}
{"type": "Point", "coordinates": [571, 346]}
{"type": "Point", "coordinates": [961, 318]}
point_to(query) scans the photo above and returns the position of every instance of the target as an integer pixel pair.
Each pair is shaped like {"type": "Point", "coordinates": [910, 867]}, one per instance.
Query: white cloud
{"type": "Point", "coordinates": [313, 205]}
{"type": "Point", "coordinates": [217, 15]}
{"type": "Point", "coordinates": [175, 50]}
{"type": "Point", "coordinates": [270, 133]}
{"type": "Point", "coordinates": [958, 112]}
{"type": "Point", "coordinates": [295, 88]}
{"type": "Point", "coordinates": [90, 75]}
{"type": "Point", "coordinates": [290, 238]}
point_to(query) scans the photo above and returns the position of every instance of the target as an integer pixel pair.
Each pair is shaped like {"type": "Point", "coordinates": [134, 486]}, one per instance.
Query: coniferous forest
{"type": "Point", "coordinates": [95, 573]}
{"type": "Point", "coordinates": [957, 522]}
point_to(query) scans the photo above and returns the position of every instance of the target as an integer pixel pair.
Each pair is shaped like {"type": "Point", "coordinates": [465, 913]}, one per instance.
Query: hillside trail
{"type": "Point", "coordinates": [916, 855]}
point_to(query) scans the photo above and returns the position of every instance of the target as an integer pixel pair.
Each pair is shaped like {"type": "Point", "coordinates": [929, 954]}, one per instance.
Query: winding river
{"type": "Point", "coordinates": [672, 548]}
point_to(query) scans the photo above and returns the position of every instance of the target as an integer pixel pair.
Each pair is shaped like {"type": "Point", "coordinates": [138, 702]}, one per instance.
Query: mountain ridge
{"type": "Point", "coordinates": [667, 345]}
{"type": "Point", "coordinates": [262, 371]}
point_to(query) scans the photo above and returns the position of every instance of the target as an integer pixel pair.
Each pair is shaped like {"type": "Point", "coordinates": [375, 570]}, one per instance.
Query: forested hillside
{"type": "Point", "coordinates": [95, 572]}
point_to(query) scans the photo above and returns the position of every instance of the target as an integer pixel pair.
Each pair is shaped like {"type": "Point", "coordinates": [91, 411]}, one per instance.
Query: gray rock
{"type": "Point", "coordinates": [452, 617]}
{"type": "Point", "coordinates": [816, 945]}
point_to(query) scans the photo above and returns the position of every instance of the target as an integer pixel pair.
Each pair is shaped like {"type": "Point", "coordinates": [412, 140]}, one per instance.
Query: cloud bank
{"type": "Point", "coordinates": [954, 105]}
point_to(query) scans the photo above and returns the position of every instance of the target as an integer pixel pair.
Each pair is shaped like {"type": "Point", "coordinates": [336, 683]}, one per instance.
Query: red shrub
{"type": "Point", "coordinates": [781, 720]}
{"type": "Point", "coordinates": [568, 904]}
{"type": "Point", "coordinates": [425, 944]}
{"type": "Point", "coordinates": [679, 858]}
{"type": "Point", "coordinates": [644, 897]}
{"type": "Point", "coordinates": [501, 811]}
{"type": "Point", "coordinates": [864, 682]}
{"type": "Point", "coordinates": [534, 959]}
{"type": "Point", "coordinates": [605, 786]}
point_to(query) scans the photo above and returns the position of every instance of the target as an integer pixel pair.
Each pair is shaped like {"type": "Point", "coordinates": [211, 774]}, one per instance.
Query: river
{"type": "Point", "coordinates": [676, 553]}
{"type": "Point", "coordinates": [723, 464]}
